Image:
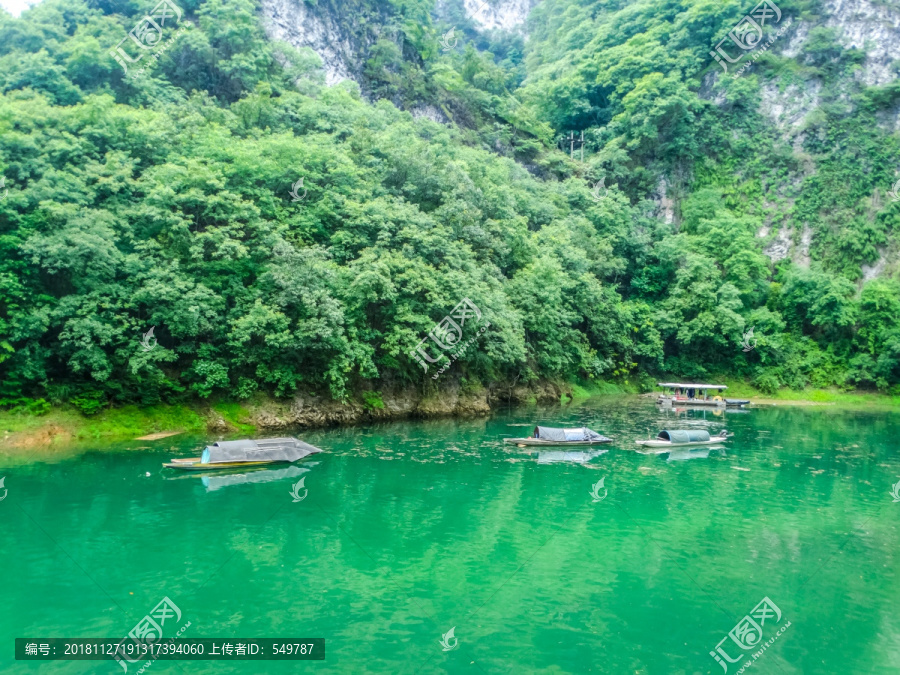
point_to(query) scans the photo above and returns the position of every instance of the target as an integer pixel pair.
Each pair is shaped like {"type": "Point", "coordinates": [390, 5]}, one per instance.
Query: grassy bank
{"type": "Point", "coordinates": [66, 424]}
{"type": "Point", "coordinates": [61, 425]}
{"type": "Point", "coordinates": [741, 389]}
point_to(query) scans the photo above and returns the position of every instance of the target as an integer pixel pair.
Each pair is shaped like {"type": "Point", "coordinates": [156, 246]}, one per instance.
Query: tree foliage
{"type": "Point", "coordinates": [165, 201]}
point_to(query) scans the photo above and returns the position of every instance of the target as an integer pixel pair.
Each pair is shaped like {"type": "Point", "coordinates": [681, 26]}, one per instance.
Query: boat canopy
{"type": "Point", "coordinates": [264, 450]}
{"type": "Point", "coordinates": [684, 435]}
{"type": "Point", "coordinates": [676, 385]}
{"type": "Point", "coordinates": [580, 434]}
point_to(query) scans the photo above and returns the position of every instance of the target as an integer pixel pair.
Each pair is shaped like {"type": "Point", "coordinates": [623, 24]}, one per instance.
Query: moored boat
{"type": "Point", "coordinates": [245, 453]}
{"type": "Point", "coordinates": [554, 436]}
{"type": "Point", "coordinates": [698, 395]}
{"type": "Point", "coordinates": [682, 437]}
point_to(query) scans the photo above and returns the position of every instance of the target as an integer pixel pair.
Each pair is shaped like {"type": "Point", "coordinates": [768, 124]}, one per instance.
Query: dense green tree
{"type": "Point", "coordinates": [171, 199]}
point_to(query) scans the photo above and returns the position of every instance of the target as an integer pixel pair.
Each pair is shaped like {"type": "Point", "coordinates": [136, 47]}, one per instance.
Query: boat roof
{"type": "Point", "coordinates": [577, 434]}
{"type": "Point", "coordinates": [264, 449]}
{"type": "Point", "coordinates": [691, 386]}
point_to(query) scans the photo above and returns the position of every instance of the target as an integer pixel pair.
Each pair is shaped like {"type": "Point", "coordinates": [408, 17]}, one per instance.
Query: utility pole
{"type": "Point", "coordinates": [572, 141]}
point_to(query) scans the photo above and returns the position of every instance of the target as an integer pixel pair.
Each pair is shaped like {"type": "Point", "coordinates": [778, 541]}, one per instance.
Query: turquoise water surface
{"type": "Point", "coordinates": [409, 529]}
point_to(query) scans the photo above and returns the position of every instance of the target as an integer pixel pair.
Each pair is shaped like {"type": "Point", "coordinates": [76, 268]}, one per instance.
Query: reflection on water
{"type": "Point", "coordinates": [217, 479]}
{"type": "Point", "coordinates": [414, 527]}
{"type": "Point", "coordinates": [216, 482]}
{"type": "Point", "coordinates": [678, 454]}
{"type": "Point", "coordinates": [550, 456]}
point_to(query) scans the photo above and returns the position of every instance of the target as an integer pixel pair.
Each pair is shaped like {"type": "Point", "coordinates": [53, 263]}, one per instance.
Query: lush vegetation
{"type": "Point", "coordinates": [163, 200]}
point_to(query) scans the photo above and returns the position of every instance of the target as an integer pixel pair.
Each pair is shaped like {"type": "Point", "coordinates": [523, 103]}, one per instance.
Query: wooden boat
{"type": "Point", "coordinates": [682, 437]}
{"type": "Point", "coordinates": [245, 454]}
{"type": "Point", "coordinates": [560, 437]}
{"type": "Point", "coordinates": [697, 395]}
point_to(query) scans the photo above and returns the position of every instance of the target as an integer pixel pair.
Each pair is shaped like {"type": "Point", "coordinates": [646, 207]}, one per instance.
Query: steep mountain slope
{"type": "Point", "coordinates": [708, 202]}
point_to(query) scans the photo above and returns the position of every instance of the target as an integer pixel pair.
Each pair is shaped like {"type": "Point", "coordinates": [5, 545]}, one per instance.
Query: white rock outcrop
{"type": "Point", "coordinates": [303, 25]}
{"type": "Point", "coordinates": [504, 14]}
{"type": "Point", "coordinates": [873, 27]}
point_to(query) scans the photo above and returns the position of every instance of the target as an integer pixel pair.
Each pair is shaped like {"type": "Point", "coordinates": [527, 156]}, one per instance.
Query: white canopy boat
{"type": "Point", "coordinates": [554, 436]}
{"type": "Point", "coordinates": [681, 394]}
{"type": "Point", "coordinates": [682, 437]}
{"type": "Point", "coordinates": [245, 454]}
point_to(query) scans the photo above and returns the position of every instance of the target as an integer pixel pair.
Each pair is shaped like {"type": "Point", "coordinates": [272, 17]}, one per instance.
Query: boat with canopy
{"type": "Point", "coordinates": [555, 436]}
{"type": "Point", "coordinates": [246, 453]}
{"type": "Point", "coordinates": [678, 393]}
{"type": "Point", "coordinates": [682, 437]}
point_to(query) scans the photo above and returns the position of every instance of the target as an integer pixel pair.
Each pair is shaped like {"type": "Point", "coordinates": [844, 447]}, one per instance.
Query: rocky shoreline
{"type": "Point", "coordinates": [265, 415]}
{"type": "Point", "coordinates": [308, 411]}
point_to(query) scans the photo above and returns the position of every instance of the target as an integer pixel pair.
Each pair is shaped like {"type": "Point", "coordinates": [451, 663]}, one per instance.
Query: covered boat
{"type": "Point", "coordinates": [246, 453]}
{"type": "Point", "coordinates": [681, 437]}
{"type": "Point", "coordinates": [556, 436]}
{"type": "Point", "coordinates": [700, 395]}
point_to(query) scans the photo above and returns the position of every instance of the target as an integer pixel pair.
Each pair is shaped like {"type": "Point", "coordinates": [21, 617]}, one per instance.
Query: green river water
{"type": "Point", "coordinates": [410, 529]}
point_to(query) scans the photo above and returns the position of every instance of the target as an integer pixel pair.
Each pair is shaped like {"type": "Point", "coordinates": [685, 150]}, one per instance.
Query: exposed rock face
{"type": "Point", "coordinates": [504, 14]}
{"type": "Point", "coordinates": [215, 422]}
{"type": "Point", "coordinates": [429, 112]}
{"type": "Point", "coordinates": [789, 108]}
{"type": "Point", "coordinates": [325, 29]}
{"type": "Point", "coordinates": [780, 247]}
{"type": "Point", "coordinates": [869, 25]}
{"type": "Point", "coordinates": [315, 411]}
{"type": "Point", "coordinates": [303, 25]}
{"type": "Point", "coordinates": [869, 272]}
{"type": "Point", "coordinates": [801, 254]}
{"type": "Point", "coordinates": [873, 27]}
{"type": "Point", "coordinates": [666, 204]}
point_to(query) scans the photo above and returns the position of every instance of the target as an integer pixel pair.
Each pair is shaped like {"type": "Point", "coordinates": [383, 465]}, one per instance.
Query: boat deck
{"type": "Point", "coordinates": [541, 441]}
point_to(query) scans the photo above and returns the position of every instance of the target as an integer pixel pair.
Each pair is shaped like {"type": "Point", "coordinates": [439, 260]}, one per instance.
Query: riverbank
{"type": "Point", "coordinates": [739, 389]}
{"type": "Point", "coordinates": [61, 426]}
{"type": "Point", "coordinates": [64, 425]}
